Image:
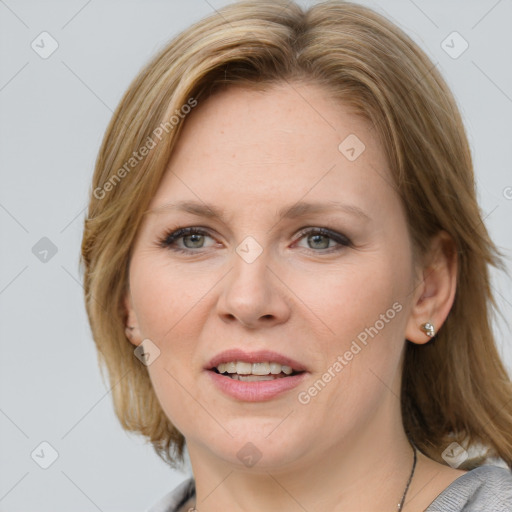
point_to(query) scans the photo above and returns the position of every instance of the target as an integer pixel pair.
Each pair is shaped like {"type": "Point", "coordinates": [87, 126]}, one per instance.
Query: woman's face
{"type": "Point", "coordinates": [296, 254]}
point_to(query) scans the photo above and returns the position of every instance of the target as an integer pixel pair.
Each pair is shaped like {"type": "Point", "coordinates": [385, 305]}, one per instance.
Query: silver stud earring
{"type": "Point", "coordinates": [428, 329]}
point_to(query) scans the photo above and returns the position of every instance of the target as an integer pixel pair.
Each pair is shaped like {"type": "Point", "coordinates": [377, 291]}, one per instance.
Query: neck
{"type": "Point", "coordinates": [367, 472]}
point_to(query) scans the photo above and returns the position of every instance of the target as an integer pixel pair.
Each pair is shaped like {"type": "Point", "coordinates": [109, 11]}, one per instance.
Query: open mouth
{"type": "Point", "coordinates": [254, 372]}
{"type": "Point", "coordinates": [255, 376]}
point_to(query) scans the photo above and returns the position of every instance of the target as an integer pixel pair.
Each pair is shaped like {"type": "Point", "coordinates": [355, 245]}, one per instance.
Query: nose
{"type": "Point", "coordinates": [253, 296]}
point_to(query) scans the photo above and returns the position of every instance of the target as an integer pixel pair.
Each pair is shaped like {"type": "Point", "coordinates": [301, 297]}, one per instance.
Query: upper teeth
{"type": "Point", "coordinates": [243, 368]}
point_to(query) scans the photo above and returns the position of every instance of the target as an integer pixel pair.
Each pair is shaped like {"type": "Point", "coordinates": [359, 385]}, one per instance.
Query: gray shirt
{"type": "Point", "coordinates": [484, 489]}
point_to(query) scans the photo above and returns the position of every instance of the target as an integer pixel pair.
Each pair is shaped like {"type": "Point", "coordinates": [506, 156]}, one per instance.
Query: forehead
{"type": "Point", "coordinates": [247, 147]}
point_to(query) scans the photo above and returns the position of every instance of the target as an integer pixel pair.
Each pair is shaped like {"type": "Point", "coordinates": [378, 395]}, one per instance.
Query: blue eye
{"type": "Point", "coordinates": [321, 239]}
{"type": "Point", "coordinates": [193, 239]}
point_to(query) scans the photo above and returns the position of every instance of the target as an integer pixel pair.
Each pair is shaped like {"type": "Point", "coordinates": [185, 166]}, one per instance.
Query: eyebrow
{"type": "Point", "coordinates": [300, 209]}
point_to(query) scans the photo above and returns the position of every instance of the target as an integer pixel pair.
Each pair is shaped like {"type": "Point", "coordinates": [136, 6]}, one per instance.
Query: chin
{"type": "Point", "coordinates": [251, 447]}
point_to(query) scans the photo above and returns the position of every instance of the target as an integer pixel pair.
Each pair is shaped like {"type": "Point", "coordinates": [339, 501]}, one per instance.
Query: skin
{"type": "Point", "coordinates": [251, 153]}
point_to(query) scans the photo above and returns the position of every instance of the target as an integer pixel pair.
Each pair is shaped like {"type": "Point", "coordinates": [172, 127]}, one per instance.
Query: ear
{"type": "Point", "coordinates": [435, 288]}
{"type": "Point", "coordinates": [132, 330]}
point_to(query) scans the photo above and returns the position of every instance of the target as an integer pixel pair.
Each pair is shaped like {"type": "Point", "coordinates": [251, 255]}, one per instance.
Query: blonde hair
{"type": "Point", "coordinates": [454, 389]}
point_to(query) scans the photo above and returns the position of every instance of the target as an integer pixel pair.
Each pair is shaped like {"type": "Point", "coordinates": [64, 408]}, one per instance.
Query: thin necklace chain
{"type": "Point", "coordinates": [402, 501]}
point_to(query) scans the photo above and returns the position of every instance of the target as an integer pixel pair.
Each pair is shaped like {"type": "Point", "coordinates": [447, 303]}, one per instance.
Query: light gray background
{"type": "Point", "coordinates": [53, 115]}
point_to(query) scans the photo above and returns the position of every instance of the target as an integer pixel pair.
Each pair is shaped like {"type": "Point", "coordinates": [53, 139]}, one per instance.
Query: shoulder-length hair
{"type": "Point", "coordinates": [454, 388]}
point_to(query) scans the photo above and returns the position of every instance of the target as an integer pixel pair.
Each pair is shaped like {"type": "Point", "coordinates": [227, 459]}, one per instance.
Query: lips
{"type": "Point", "coordinates": [258, 386]}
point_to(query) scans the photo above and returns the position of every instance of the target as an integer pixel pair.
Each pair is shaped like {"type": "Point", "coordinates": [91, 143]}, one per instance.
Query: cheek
{"type": "Point", "coordinates": [170, 306]}
{"type": "Point", "coordinates": [170, 387]}
{"type": "Point", "coordinates": [363, 304]}
{"type": "Point", "coordinates": [164, 297]}
{"type": "Point", "coordinates": [362, 291]}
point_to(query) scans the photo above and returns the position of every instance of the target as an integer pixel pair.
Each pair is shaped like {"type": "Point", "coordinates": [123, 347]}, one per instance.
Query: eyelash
{"type": "Point", "coordinates": [170, 238]}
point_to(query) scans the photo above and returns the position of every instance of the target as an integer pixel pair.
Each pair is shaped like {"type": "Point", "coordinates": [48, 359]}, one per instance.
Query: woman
{"type": "Point", "coordinates": [283, 225]}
